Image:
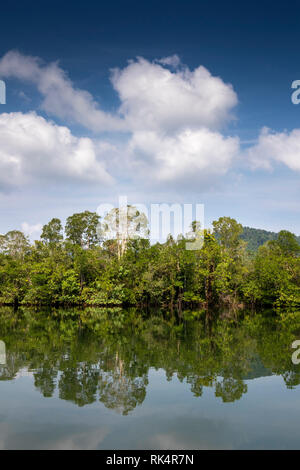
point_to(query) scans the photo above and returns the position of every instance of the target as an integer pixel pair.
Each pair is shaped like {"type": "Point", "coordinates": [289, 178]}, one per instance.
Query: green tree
{"type": "Point", "coordinates": [81, 229]}
{"type": "Point", "coordinates": [228, 231]}
{"type": "Point", "coordinates": [52, 232]}
{"type": "Point", "coordinates": [122, 225]}
{"type": "Point", "coordinates": [14, 244]}
{"type": "Point", "coordinates": [288, 244]}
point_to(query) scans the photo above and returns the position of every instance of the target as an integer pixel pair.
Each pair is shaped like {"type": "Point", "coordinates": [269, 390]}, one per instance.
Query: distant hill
{"type": "Point", "coordinates": [257, 237]}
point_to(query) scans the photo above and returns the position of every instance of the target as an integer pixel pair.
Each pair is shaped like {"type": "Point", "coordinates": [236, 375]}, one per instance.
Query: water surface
{"type": "Point", "coordinates": [105, 379]}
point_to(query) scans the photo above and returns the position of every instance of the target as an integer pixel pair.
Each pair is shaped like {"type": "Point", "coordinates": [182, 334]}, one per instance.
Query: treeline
{"type": "Point", "coordinates": [83, 268]}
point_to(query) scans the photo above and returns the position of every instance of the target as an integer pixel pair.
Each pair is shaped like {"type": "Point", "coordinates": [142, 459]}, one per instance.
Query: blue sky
{"type": "Point", "coordinates": [237, 63]}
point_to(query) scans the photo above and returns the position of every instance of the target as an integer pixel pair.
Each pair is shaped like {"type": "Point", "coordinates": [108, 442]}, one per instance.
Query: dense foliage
{"type": "Point", "coordinates": [84, 269]}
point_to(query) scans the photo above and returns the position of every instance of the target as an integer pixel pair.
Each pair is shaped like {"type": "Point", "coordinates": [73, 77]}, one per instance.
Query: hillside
{"type": "Point", "coordinates": [256, 237]}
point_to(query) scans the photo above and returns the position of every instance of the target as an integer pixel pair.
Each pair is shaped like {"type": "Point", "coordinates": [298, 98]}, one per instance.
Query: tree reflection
{"type": "Point", "coordinates": [79, 384]}
{"type": "Point", "coordinates": [93, 356]}
{"type": "Point", "coordinates": [230, 389]}
{"type": "Point", "coordinates": [45, 379]}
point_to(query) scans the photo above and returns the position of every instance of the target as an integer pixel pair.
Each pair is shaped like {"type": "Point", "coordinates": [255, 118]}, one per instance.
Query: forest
{"type": "Point", "coordinates": [76, 265]}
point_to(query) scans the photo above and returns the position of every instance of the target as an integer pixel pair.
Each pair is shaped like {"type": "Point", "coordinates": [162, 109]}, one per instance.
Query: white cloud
{"type": "Point", "coordinates": [154, 98]}
{"type": "Point", "coordinates": [33, 231]}
{"type": "Point", "coordinates": [190, 155]}
{"type": "Point", "coordinates": [172, 119]}
{"type": "Point", "coordinates": [172, 61]}
{"type": "Point", "coordinates": [272, 147]}
{"type": "Point", "coordinates": [33, 149]}
{"type": "Point", "coordinates": [61, 99]}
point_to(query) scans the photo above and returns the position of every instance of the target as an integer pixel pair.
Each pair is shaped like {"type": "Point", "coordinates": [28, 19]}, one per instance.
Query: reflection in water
{"type": "Point", "coordinates": [106, 355]}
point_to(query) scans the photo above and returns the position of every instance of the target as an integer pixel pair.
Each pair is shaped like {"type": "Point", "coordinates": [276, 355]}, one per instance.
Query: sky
{"type": "Point", "coordinates": [164, 102]}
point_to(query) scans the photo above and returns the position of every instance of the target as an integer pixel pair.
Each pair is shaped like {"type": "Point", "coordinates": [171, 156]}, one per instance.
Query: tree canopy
{"type": "Point", "coordinates": [98, 263]}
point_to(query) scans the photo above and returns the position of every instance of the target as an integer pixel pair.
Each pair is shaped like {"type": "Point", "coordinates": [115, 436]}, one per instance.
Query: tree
{"type": "Point", "coordinates": [228, 231]}
{"type": "Point", "coordinates": [15, 244]}
{"type": "Point", "coordinates": [123, 225]}
{"type": "Point", "coordinates": [81, 229]}
{"type": "Point", "coordinates": [210, 257]}
{"type": "Point", "coordinates": [234, 268]}
{"type": "Point", "coordinates": [52, 232]}
{"type": "Point", "coordinates": [288, 243]}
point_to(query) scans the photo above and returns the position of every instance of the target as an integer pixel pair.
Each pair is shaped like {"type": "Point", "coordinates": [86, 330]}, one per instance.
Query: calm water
{"type": "Point", "coordinates": [103, 379]}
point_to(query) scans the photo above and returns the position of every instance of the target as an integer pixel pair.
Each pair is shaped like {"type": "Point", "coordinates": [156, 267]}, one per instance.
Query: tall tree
{"type": "Point", "coordinates": [228, 231]}
{"type": "Point", "coordinates": [15, 244]}
{"type": "Point", "coordinates": [122, 225]}
{"type": "Point", "coordinates": [52, 232]}
{"type": "Point", "coordinates": [288, 243]}
{"type": "Point", "coordinates": [81, 229]}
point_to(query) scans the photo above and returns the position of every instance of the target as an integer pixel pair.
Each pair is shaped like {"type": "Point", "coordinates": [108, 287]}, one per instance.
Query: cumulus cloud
{"type": "Point", "coordinates": [61, 99]}
{"type": "Point", "coordinates": [189, 155]}
{"type": "Point", "coordinates": [34, 149]}
{"type": "Point", "coordinates": [280, 147]}
{"type": "Point", "coordinates": [154, 98]}
{"type": "Point", "coordinates": [172, 116]}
